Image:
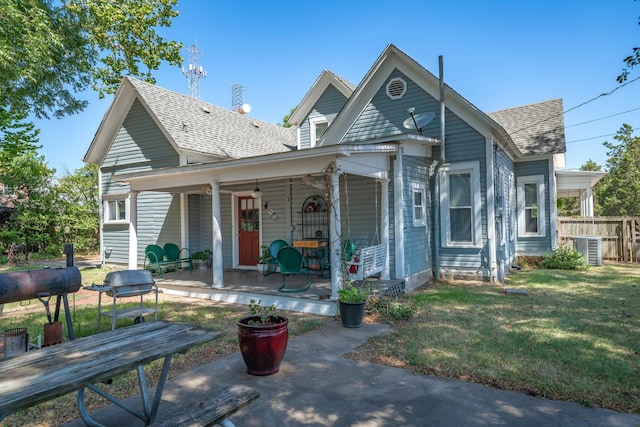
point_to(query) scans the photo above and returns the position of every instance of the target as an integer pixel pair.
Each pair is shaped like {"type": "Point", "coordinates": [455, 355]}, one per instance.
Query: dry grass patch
{"type": "Point", "coordinates": [575, 337]}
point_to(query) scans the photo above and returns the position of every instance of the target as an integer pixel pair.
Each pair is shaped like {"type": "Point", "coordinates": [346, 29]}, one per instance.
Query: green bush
{"type": "Point", "coordinates": [563, 258]}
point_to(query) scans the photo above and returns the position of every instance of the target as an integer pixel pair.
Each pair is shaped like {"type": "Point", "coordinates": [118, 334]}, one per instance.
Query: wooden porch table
{"type": "Point", "coordinates": [313, 250]}
{"type": "Point", "coordinates": [50, 372]}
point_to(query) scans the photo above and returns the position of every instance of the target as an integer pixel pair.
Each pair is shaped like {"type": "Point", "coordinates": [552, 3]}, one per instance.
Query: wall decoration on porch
{"type": "Point", "coordinates": [314, 218]}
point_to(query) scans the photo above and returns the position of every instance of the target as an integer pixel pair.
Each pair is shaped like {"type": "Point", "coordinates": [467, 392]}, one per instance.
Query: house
{"type": "Point", "coordinates": [437, 185]}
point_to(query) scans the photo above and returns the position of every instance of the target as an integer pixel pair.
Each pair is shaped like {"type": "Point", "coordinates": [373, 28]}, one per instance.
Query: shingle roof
{"type": "Point", "coordinates": [197, 126]}
{"type": "Point", "coordinates": [534, 128]}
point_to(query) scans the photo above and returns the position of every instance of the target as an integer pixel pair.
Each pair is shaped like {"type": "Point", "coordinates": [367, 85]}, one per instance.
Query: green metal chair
{"type": "Point", "coordinates": [290, 262]}
{"type": "Point", "coordinates": [274, 249]}
{"type": "Point", "coordinates": [173, 252]}
{"type": "Point", "coordinates": [348, 250]}
{"type": "Point", "coordinates": [154, 260]}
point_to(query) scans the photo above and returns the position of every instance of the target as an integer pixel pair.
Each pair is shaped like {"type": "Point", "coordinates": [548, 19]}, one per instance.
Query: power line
{"type": "Point", "coordinates": [577, 106]}
{"type": "Point", "coordinates": [602, 118]}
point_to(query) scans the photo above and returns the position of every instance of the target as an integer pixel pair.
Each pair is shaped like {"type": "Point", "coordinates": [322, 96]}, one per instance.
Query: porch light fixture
{"type": "Point", "coordinates": [256, 193]}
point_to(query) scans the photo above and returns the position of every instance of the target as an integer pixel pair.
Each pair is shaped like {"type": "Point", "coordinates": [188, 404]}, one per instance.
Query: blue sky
{"type": "Point", "coordinates": [497, 54]}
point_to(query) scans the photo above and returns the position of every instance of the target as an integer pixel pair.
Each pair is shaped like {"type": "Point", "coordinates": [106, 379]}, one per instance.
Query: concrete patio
{"type": "Point", "coordinates": [242, 285]}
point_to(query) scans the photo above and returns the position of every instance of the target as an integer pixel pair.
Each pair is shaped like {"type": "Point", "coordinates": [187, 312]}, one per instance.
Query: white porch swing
{"type": "Point", "coordinates": [369, 260]}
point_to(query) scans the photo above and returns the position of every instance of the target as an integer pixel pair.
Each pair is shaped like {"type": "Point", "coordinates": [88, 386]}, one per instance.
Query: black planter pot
{"type": "Point", "coordinates": [351, 314]}
{"type": "Point", "coordinates": [262, 346]}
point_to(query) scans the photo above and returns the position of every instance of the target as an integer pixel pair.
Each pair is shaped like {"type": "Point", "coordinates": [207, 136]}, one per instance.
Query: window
{"type": "Point", "coordinates": [460, 204]}
{"type": "Point", "coordinates": [531, 207]}
{"type": "Point", "coordinates": [419, 204]}
{"type": "Point", "coordinates": [317, 127]}
{"type": "Point", "coordinates": [115, 210]}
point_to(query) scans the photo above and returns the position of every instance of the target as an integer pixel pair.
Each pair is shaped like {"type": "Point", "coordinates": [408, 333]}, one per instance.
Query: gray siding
{"type": "Point", "coordinates": [384, 116]}
{"type": "Point", "coordinates": [465, 144]}
{"type": "Point", "coordinates": [158, 220]}
{"type": "Point", "coordinates": [536, 245]}
{"type": "Point", "coordinates": [328, 105]}
{"type": "Point", "coordinates": [139, 145]}
{"type": "Point", "coordinates": [417, 240]}
{"type": "Point", "coordinates": [506, 213]}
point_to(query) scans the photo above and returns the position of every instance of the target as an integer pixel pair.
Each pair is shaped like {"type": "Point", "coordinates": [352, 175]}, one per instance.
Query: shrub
{"type": "Point", "coordinates": [391, 309]}
{"type": "Point", "coordinates": [564, 257]}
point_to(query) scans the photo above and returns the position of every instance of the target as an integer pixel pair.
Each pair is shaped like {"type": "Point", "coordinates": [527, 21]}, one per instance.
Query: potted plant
{"type": "Point", "coordinates": [200, 259]}
{"type": "Point", "coordinates": [263, 337]}
{"type": "Point", "coordinates": [351, 303]}
{"type": "Point", "coordinates": [263, 259]}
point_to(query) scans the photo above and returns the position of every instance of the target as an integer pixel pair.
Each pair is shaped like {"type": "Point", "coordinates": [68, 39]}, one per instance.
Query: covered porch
{"type": "Point", "coordinates": [242, 285]}
{"type": "Point", "coordinates": [211, 215]}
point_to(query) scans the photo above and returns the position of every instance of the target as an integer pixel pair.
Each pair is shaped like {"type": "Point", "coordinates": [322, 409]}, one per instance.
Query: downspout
{"type": "Point", "coordinates": [436, 198]}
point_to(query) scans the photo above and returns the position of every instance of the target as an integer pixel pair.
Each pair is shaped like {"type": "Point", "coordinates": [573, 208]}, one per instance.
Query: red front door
{"type": "Point", "coordinates": [249, 230]}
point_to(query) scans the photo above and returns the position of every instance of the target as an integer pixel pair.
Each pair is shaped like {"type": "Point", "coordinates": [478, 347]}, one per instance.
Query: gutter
{"type": "Point", "coordinates": [437, 220]}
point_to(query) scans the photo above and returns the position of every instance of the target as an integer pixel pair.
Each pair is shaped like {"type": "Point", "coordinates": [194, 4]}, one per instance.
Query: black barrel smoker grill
{"type": "Point", "coordinates": [25, 285]}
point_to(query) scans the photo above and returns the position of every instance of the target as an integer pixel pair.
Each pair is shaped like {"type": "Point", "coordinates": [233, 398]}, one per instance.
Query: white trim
{"type": "Point", "coordinates": [553, 205]}
{"type": "Point", "coordinates": [491, 208]}
{"type": "Point", "coordinates": [116, 201]}
{"type": "Point", "coordinates": [445, 171]}
{"type": "Point", "coordinates": [392, 81]}
{"type": "Point", "coordinates": [422, 189]}
{"type": "Point", "coordinates": [541, 208]}
{"type": "Point", "coordinates": [313, 123]}
{"type": "Point", "coordinates": [398, 223]}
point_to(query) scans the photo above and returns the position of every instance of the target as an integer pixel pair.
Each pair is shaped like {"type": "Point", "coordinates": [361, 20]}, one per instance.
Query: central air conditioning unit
{"type": "Point", "coordinates": [590, 247]}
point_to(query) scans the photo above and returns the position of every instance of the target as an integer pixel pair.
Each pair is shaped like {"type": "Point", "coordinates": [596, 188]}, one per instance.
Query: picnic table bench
{"type": "Point", "coordinates": [37, 376]}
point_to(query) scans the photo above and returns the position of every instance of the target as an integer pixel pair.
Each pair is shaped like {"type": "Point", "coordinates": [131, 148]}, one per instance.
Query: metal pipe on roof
{"type": "Point", "coordinates": [436, 213]}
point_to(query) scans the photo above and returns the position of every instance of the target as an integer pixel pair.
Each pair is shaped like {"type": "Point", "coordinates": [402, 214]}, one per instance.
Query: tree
{"type": "Point", "coordinates": [619, 191]}
{"type": "Point", "coordinates": [51, 51]}
{"type": "Point", "coordinates": [285, 119]}
{"type": "Point", "coordinates": [630, 61]}
{"type": "Point", "coordinates": [79, 206]}
{"type": "Point", "coordinates": [30, 181]}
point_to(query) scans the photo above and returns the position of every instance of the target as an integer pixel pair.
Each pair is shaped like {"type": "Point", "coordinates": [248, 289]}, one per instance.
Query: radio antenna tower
{"type": "Point", "coordinates": [236, 97]}
{"type": "Point", "coordinates": [195, 71]}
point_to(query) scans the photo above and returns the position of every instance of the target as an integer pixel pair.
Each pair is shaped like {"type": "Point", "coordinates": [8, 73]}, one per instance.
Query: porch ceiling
{"type": "Point", "coordinates": [196, 178]}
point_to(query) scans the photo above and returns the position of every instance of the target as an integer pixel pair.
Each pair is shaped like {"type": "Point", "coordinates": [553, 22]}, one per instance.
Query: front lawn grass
{"type": "Point", "coordinates": [83, 307]}
{"type": "Point", "coordinates": [575, 336]}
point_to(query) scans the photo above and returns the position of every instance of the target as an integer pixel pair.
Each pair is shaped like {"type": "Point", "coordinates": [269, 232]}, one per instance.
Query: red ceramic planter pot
{"type": "Point", "coordinates": [262, 346]}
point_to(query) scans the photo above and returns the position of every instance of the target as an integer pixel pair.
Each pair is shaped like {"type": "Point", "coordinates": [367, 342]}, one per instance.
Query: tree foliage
{"type": "Point", "coordinates": [618, 193]}
{"type": "Point", "coordinates": [50, 51]}
{"type": "Point", "coordinates": [630, 62]}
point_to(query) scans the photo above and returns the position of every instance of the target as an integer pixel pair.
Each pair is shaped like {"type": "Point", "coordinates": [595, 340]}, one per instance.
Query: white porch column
{"type": "Point", "coordinates": [184, 221]}
{"type": "Point", "coordinates": [335, 239]}
{"type": "Point", "coordinates": [398, 207]}
{"type": "Point", "coordinates": [217, 235]}
{"type": "Point", "coordinates": [132, 200]}
{"type": "Point", "coordinates": [384, 224]}
{"type": "Point", "coordinates": [586, 202]}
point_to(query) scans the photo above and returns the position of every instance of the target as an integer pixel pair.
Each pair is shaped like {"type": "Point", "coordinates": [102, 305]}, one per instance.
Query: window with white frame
{"type": "Point", "coordinates": [115, 210]}
{"type": "Point", "coordinates": [531, 206]}
{"type": "Point", "coordinates": [460, 209]}
{"type": "Point", "coordinates": [317, 127]}
{"type": "Point", "coordinates": [419, 204]}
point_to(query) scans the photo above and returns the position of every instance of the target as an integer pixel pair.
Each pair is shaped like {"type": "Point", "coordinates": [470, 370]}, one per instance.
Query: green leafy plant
{"type": "Point", "coordinates": [267, 314]}
{"type": "Point", "coordinates": [203, 255]}
{"type": "Point", "coordinates": [353, 294]}
{"type": "Point", "coordinates": [265, 255]}
{"type": "Point", "coordinates": [564, 257]}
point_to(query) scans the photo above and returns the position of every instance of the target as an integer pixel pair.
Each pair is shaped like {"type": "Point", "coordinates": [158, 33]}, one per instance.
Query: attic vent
{"type": "Point", "coordinates": [206, 110]}
{"type": "Point", "coordinates": [255, 124]}
{"type": "Point", "coordinates": [396, 88]}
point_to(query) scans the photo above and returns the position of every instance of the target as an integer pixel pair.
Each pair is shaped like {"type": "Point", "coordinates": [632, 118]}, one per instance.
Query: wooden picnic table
{"type": "Point", "coordinates": [53, 371]}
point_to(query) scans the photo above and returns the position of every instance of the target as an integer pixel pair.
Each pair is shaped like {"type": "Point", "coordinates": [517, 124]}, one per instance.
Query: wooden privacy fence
{"type": "Point", "coordinates": [620, 235]}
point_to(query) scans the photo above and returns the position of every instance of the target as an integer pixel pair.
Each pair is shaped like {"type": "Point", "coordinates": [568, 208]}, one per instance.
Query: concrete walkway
{"type": "Point", "coordinates": [316, 386]}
